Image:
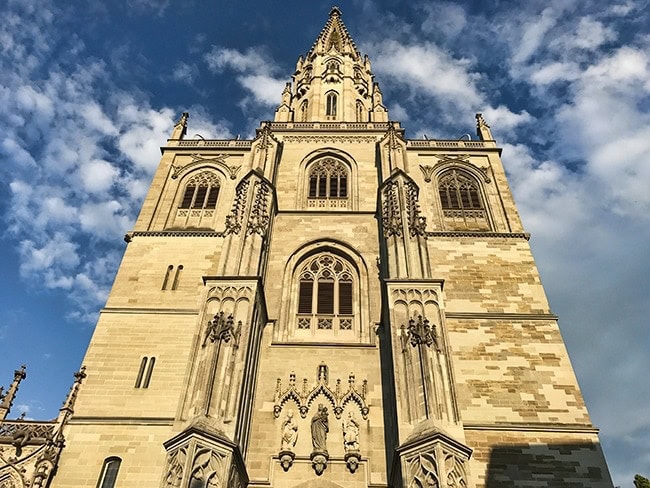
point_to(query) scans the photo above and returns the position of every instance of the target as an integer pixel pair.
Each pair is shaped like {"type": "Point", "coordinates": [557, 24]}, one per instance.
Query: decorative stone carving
{"type": "Point", "coordinates": [305, 396]}
{"type": "Point", "coordinates": [319, 462]}
{"type": "Point", "coordinates": [435, 461]}
{"type": "Point", "coordinates": [175, 465]}
{"type": "Point", "coordinates": [258, 221]}
{"type": "Point", "coordinates": [289, 433]}
{"type": "Point", "coordinates": [198, 160]}
{"type": "Point", "coordinates": [326, 139]}
{"type": "Point", "coordinates": [417, 223]}
{"type": "Point", "coordinates": [288, 441]}
{"type": "Point", "coordinates": [351, 442]}
{"type": "Point", "coordinates": [235, 218]}
{"type": "Point", "coordinates": [207, 467]}
{"type": "Point", "coordinates": [319, 429]}
{"type": "Point", "coordinates": [458, 160]}
{"type": "Point", "coordinates": [221, 329]}
{"type": "Point", "coordinates": [390, 215]}
{"type": "Point", "coordinates": [420, 332]}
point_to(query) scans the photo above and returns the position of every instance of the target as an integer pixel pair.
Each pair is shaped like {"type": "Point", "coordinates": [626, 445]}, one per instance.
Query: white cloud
{"type": "Point", "coordinates": [185, 73]}
{"type": "Point", "coordinates": [258, 74]}
{"type": "Point", "coordinates": [97, 176]}
{"type": "Point", "coordinates": [425, 68]}
{"type": "Point", "coordinates": [532, 35]}
{"type": "Point", "coordinates": [444, 17]}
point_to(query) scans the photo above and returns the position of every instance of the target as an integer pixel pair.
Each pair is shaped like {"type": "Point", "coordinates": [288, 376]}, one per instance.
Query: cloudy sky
{"type": "Point", "coordinates": [90, 90]}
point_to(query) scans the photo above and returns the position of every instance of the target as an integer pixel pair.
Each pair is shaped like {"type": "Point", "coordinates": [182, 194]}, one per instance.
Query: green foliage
{"type": "Point", "coordinates": [641, 482]}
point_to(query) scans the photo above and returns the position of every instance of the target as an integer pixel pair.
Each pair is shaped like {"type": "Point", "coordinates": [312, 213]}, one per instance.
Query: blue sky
{"type": "Point", "coordinates": [90, 90]}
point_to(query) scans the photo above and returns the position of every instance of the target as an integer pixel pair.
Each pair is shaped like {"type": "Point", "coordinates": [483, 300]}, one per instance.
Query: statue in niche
{"type": "Point", "coordinates": [351, 433]}
{"type": "Point", "coordinates": [319, 429]}
{"type": "Point", "coordinates": [289, 433]}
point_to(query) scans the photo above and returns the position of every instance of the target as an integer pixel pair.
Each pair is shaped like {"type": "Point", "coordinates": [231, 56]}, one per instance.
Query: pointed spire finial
{"type": "Point", "coordinates": [335, 11]}
{"type": "Point", "coordinates": [482, 128]}
{"type": "Point", "coordinates": [180, 128]}
{"type": "Point", "coordinates": [8, 399]}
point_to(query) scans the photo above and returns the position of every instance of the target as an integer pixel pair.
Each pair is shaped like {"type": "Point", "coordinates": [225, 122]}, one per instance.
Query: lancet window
{"type": "Point", "coordinates": [360, 112]}
{"type": "Point", "coordinates": [461, 201]}
{"type": "Point", "coordinates": [328, 180]}
{"type": "Point", "coordinates": [331, 100]}
{"type": "Point", "coordinates": [201, 192]}
{"type": "Point", "coordinates": [303, 110]}
{"type": "Point", "coordinates": [326, 289]}
{"type": "Point", "coordinates": [108, 475]}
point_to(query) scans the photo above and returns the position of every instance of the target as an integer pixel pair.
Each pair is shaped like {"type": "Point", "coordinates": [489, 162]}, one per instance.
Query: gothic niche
{"type": "Point", "coordinates": [320, 422]}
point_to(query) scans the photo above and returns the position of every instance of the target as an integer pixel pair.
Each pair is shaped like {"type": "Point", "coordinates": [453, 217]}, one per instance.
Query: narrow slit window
{"type": "Point", "coordinates": [167, 274]}
{"type": "Point", "coordinates": [108, 475]}
{"type": "Point", "coordinates": [143, 365]}
{"type": "Point", "coordinates": [177, 277]}
{"type": "Point", "coordinates": [147, 378]}
{"type": "Point", "coordinates": [331, 100]}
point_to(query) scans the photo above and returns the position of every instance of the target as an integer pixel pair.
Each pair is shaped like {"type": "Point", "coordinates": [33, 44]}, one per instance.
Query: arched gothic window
{"type": "Point", "coordinates": [326, 285]}
{"type": "Point", "coordinates": [201, 191]}
{"type": "Point", "coordinates": [303, 110]}
{"type": "Point", "coordinates": [360, 111]}
{"type": "Point", "coordinates": [461, 201]}
{"type": "Point", "coordinates": [333, 67]}
{"type": "Point", "coordinates": [328, 178]}
{"type": "Point", "coordinates": [330, 104]}
{"type": "Point", "coordinates": [108, 475]}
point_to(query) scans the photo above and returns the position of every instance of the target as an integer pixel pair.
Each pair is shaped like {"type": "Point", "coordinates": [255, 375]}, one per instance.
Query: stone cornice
{"type": "Point", "coordinates": [500, 316]}
{"type": "Point", "coordinates": [493, 235]}
{"type": "Point", "coordinates": [533, 427]}
{"type": "Point", "coordinates": [94, 420]}
{"type": "Point", "coordinates": [128, 237]}
{"type": "Point", "coordinates": [156, 311]}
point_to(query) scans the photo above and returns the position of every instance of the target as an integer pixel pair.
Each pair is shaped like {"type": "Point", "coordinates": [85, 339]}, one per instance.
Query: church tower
{"type": "Point", "coordinates": [329, 304]}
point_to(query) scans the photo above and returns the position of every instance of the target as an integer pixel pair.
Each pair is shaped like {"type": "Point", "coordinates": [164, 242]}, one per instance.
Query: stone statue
{"type": "Point", "coordinates": [289, 433]}
{"type": "Point", "coordinates": [319, 429]}
{"type": "Point", "coordinates": [351, 433]}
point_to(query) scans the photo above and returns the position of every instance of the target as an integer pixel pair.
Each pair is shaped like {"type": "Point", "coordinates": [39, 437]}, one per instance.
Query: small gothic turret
{"type": "Point", "coordinates": [482, 129]}
{"type": "Point", "coordinates": [8, 399]}
{"type": "Point", "coordinates": [180, 128]}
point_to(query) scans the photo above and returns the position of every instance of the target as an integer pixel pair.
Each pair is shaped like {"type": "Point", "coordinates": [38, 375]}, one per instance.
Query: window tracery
{"type": "Point", "coordinates": [461, 200]}
{"type": "Point", "coordinates": [202, 191]}
{"type": "Point", "coordinates": [198, 201]}
{"type": "Point", "coordinates": [328, 183]}
{"type": "Point", "coordinates": [326, 289]}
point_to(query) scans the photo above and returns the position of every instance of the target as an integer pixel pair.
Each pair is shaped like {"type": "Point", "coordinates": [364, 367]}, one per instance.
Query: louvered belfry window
{"type": "Point", "coordinates": [201, 191]}
{"type": "Point", "coordinates": [459, 192]}
{"type": "Point", "coordinates": [328, 178]}
{"type": "Point", "coordinates": [325, 294]}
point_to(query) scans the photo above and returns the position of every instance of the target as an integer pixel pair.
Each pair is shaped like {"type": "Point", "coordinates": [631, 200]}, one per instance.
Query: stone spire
{"type": "Point", "coordinates": [332, 82]}
{"type": "Point", "coordinates": [7, 401]}
{"type": "Point", "coordinates": [334, 38]}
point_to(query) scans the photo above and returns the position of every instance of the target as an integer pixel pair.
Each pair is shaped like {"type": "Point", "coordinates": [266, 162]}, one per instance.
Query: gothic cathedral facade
{"type": "Point", "coordinates": [329, 304]}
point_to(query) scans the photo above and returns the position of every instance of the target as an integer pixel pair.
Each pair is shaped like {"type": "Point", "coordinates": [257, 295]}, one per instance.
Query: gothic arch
{"type": "Point", "coordinates": [198, 208]}
{"type": "Point", "coordinates": [340, 156]}
{"type": "Point", "coordinates": [290, 285]}
{"type": "Point", "coordinates": [478, 216]}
